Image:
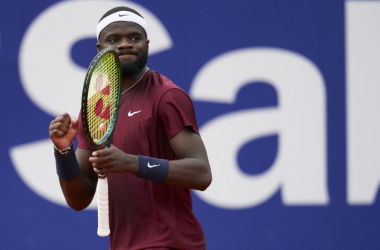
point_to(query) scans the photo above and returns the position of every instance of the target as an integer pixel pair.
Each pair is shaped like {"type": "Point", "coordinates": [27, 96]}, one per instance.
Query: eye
{"type": "Point", "coordinates": [112, 40]}
{"type": "Point", "coordinates": [135, 36]}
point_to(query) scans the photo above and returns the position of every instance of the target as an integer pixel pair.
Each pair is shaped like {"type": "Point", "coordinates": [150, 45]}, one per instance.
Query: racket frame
{"type": "Point", "coordinates": [108, 134]}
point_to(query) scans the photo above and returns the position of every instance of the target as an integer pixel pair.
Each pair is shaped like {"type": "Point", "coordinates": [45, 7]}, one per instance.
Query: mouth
{"type": "Point", "coordinates": [126, 53]}
{"type": "Point", "coordinates": [127, 56]}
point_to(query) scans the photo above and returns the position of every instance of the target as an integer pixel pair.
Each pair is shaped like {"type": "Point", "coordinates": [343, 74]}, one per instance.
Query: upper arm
{"type": "Point", "coordinates": [192, 170]}
{"type": "Point", "coordinates": [188, 144]}
{"type": "Point", "coordinates": [83, 156]}
{"type": "Point", "coordinates": [176, 117]}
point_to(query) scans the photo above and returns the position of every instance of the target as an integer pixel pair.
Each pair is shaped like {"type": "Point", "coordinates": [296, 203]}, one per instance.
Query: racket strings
{"type": "Point", "coordinates": [102, 98]}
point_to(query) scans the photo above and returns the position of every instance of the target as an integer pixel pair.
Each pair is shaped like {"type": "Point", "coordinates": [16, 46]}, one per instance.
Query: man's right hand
{"type": "Point", "coordinates": [63, 130]}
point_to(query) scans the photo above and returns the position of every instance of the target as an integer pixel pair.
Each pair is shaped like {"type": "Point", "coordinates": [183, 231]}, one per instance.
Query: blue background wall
{"type": "Point", "coordinates": [201, 32]}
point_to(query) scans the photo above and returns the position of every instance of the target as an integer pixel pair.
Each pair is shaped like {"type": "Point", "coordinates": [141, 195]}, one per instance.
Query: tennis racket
{"type": "Point", "coordinates": [100, 103]}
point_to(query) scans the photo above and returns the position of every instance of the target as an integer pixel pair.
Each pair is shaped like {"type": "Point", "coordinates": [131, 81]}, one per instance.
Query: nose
{"type": "Point", "coordinates": [124, 44]}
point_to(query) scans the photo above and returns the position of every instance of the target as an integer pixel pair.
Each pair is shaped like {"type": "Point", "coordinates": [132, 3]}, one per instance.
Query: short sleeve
{"type": "Point", "coordinates": [175, 111]}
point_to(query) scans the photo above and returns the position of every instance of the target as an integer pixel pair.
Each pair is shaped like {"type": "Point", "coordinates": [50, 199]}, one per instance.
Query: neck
{"type": "Point", "coordinates": [129, 80]}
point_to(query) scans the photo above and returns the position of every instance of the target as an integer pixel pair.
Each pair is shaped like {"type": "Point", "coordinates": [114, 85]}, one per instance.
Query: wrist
{"type": "Point", "coordinates": [67, 167]}
{"type": "Point", "coordinates": [65, 151]}
{"type": "Point", "coordinates": [153, 169]}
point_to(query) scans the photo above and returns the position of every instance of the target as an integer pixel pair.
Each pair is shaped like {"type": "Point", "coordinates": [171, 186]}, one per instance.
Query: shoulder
{"type": "Point", "coordinates": [161, 83]}
{"type": "Point", "coordinates": [159, 88]}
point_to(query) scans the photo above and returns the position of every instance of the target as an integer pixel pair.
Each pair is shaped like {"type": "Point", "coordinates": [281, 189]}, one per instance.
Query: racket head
{"type": "Point", "coordinates": [101, 97]}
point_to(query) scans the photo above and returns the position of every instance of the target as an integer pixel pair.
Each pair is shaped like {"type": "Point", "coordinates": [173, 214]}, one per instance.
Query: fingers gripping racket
{"type": "Point", "coordinates": [100, 103]}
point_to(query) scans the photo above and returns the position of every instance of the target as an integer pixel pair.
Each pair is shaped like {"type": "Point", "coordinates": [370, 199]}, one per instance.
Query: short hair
{"type": "Point", "coordinates": [117, 9]}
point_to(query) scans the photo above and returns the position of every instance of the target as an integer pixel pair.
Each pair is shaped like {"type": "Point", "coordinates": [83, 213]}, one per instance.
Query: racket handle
{"type": "Point", "coordinates": [103, 217]}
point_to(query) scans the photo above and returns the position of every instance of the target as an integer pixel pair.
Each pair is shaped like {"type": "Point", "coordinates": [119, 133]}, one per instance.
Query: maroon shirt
{"type": "Point", "coordinates": [143, 213]}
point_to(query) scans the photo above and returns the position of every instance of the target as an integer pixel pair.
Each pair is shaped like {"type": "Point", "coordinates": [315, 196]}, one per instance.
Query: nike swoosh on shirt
{"type": "Point", "coordinates": [133, 113]}
{"type": "Point", "coordinates": [152, 166]}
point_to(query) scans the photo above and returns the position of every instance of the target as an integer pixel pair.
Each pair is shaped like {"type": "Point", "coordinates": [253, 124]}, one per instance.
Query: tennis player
{"type": "Point", "coordinates": [157, 155]}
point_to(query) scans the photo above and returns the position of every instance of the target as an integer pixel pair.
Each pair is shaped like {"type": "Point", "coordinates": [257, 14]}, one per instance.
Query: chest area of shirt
{"type": "Point", "coordinates": [135, 116]}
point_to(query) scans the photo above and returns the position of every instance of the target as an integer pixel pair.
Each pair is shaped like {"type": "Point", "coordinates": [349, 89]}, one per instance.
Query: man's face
{"type": "Point", "coordinates": [129, 41]}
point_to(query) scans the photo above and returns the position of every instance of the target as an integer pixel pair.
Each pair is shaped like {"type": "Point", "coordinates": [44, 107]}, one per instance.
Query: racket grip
{"type": "Point", "coordinates": [103, 211]}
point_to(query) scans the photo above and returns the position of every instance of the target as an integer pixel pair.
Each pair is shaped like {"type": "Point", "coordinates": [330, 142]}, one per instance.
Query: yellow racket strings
{"type": "Point", "coordinates": [102, 97]}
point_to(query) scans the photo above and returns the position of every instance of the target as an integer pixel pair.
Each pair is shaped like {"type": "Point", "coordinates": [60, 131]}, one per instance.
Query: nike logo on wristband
{"type": "Point", "coordinates": [133, 113]}
{"type": "Point", "coordinates": [152, 166]}
{"type": "Point", "coordinates": [120, 15]}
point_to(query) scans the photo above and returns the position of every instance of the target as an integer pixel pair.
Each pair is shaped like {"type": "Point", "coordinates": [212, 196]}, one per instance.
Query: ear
{"type": "Point", "coordinates": [98, 47]}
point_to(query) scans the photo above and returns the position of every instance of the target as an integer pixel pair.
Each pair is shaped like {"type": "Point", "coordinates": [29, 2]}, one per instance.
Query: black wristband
{"type": "Point", "coordinates": [67, 167]}
{"type": "Point", "coordinates": [153, 169]}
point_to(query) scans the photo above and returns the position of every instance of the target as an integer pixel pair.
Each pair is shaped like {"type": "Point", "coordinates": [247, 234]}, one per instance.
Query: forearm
{"type": "Point", "coordinates": [191, 170]}
{"type": "Point", "coordinates": [78, 192]}
{"type": "Point", "coordinates": [77, 179]}
{"type": "Point", "coordinates": [191, 173]}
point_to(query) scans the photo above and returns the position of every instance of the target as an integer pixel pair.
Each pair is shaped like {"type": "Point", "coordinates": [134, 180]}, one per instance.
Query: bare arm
{"type": "Point", "coordinates": [191, 170]}
{"type": "Point", "coordinates": [80, 191]}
